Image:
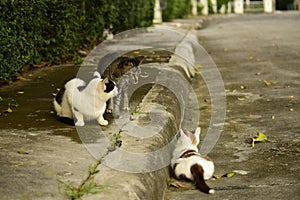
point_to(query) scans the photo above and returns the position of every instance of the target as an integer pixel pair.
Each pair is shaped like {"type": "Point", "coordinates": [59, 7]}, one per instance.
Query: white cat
{"type": "Point", "coordinates": [187, 163]}
{"type": "Point", "coordinates": [84, 102]}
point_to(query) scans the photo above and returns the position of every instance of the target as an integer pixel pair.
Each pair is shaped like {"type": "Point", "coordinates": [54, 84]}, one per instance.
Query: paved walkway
{"type": "Point", "coordinates": [258, 57]}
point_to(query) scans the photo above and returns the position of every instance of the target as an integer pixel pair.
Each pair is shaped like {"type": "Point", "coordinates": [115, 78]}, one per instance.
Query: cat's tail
{"type": "Point", "coordinates": [57, 107]}
{"type": "Point", "coordinates": [197, 172]}
{"type": "Point", "coordinates": [58, 101]}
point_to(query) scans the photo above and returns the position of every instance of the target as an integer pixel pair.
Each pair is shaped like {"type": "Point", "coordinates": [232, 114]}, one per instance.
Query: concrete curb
{"type": "Point", "coordinates": [151, 184]}
{"type": "Point", "coordinates": [148, 185]}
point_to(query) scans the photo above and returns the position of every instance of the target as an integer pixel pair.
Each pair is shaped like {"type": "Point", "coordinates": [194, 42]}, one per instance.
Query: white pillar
{"type": "Point", "coordinates": [238, 6]}
{"type": "Point", "coordinates": [268, 6]}
{"type": "Point", "coordinates": [157, 13]}
{"type": "Point", "coordinates": [223, 9]}
{"type": "Point", "coordinates": [214, 5]}
{"type": "Point", "coordinates": [204, 3]}
{"type": "Point", "coordinates": [194, 7]}
{"type": "Point", "coordinates": [248, 3]}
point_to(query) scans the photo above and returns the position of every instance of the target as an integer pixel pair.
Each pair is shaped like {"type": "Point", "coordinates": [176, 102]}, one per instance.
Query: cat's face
{"type": "Point", "coordinates": [130, 69]}
{"type": "Point", "coordinates": [107, 88]}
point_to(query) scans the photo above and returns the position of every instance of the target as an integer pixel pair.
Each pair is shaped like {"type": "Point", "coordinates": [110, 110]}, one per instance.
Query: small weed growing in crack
{"type": "Point", "coordinates": [116, 139]}
{"type": "Point", "coordinates": [88, 187]}
{"type": "Point", "coordinates": [93, 169]}
{"type": "Point", "coordinates": [138, 110]}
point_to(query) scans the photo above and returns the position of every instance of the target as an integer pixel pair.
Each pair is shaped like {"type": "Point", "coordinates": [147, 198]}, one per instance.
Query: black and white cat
{"type": "Point", "coordinates": [84, 102]}
{"type": "Point", "coordinates": [187, 163]}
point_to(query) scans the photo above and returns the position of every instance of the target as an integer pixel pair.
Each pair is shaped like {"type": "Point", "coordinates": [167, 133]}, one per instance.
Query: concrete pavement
{"type": "Point", "coordinates": [258, 57]}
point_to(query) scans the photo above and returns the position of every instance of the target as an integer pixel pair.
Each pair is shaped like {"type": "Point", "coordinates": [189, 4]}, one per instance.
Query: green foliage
{"type": "Point", "coordinates": [210, 7]}
{"type": "Point", "coordinates": [284, 4]}
{"type": "Point", "coordinates": [88, 187]}
{"type": "Point", "coordinates": [32, 31]}
{"type": "Point", "coordinates": [176, 9]}
{"type": "Point", "coordinates": [222, 2]}
{"type": "Point", "coordinates": [116, 139]}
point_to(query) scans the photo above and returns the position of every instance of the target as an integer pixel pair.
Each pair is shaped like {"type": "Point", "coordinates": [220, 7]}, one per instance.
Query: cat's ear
{"type": "Point", "coordinates": [140, 59]}
{"type": "Point", "coordinates": [197, 134]}
{"type": "Point", "coordinates": [122, 61]}
{"type": "Point", "coordinates": [190, 135]}
{"type": "Point", "coordinates": [181, 136]}
{"type": "Point", "coordinates": [103, 83]}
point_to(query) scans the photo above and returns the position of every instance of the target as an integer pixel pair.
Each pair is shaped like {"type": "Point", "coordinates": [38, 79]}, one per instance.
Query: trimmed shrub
{"type": "Point", "coordinates": [32, 31]}
{"type": "Point", "coordinates": [176, 9]}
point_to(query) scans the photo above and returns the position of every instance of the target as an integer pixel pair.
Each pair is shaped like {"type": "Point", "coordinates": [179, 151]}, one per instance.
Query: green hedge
{"type": "Point", "coordinates": [176, 9]}
{"type": "Point", "coordinates": [32, 31]}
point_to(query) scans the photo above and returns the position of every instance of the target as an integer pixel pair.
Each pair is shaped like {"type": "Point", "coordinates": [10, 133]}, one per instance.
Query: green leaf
{"type": "Point", "coordinates": [260, 138]}
{"type": "Point", "coordinates": [22, 152]}
{"type": "Point", "coordinates": [230, 174]}
{"type": "Point", "coordinates": [9, 110]}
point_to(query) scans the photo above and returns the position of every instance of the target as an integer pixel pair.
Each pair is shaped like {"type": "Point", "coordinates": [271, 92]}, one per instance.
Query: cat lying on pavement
{"type": "Point", "coordinates": [79, 102]}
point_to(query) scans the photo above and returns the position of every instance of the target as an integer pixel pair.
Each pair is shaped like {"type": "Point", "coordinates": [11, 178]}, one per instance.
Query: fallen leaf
{"type": "Point", "coordinates": [9, 110]}
{"type": "Point", "coordinates": [22, 78]}
{"type": "Point", "coordinates": [177, 184]}
{"type": "Point", "coordinates": [269, 83]}
{"type": "Point", "coordinates": [241, 99]}
{"type": "Point", "coordinates": [20, 92]}
{"type": "Point", "coordinates": [273, 117]}
{"type": "Point", "coordinates": [291, 109]}
{"type": "Point", "coordinates": [260, 138]}
{"type": "Point", "coordinates": [230, 174]}
{"type": "Point", "coordinates": [243, 87]}
{"type": "Point", "coordinates": [258, 73]}
{"type": "Point", "coordinates": [22, 152]}
{"type": "Point", "coordinates": [241, 172]}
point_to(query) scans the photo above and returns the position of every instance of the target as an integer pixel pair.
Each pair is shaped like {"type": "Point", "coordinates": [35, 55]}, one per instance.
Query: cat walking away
{"type": "Point", "coordinates": [78, 102]}
{"type": "Point", "coordinates": [188, 164]}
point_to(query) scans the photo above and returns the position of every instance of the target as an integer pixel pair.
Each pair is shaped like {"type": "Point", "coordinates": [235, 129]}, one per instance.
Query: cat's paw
{"type": "Point", "coordinates": [109, 111]}
{"type": "Point", "coordinates": [103, 122]}
{"type": "Point", "coordinates": [126, 108]}
{"type": "Point", "coordinates": [78, 123]}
